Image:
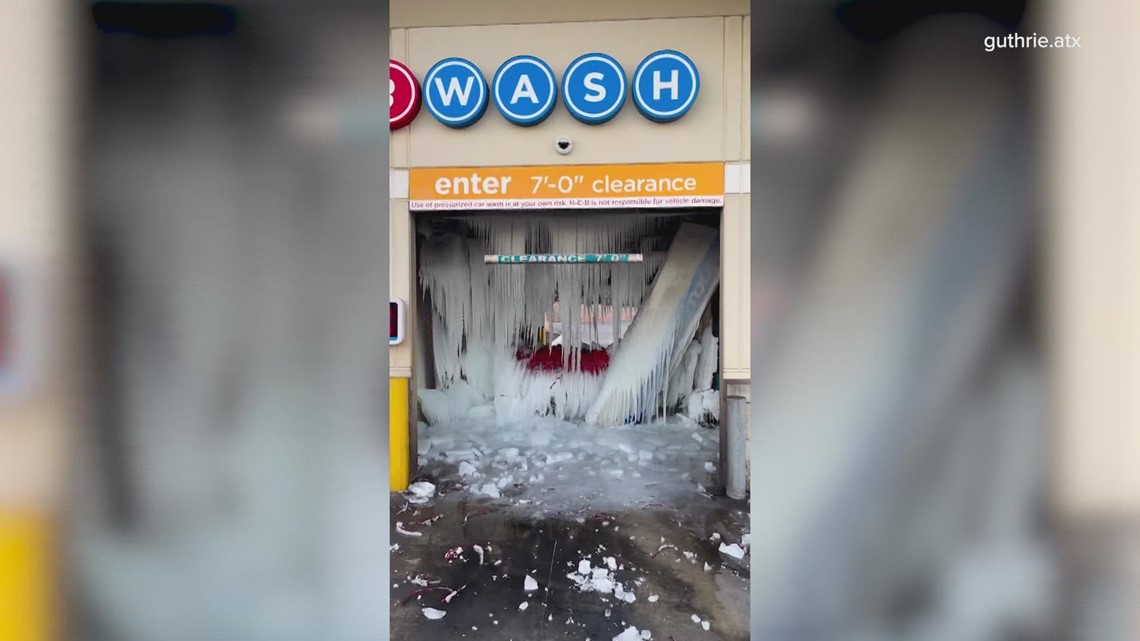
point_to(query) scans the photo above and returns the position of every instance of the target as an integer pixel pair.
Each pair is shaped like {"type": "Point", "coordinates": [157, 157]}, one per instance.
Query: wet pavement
{"type": "Point", "coordinates": [671, 554]}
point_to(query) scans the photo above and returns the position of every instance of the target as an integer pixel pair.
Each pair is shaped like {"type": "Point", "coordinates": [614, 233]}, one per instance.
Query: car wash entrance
{"type": "Point", "coordinates": [601, 317]}
{"type": "Point", "coordinates": [555, 306]}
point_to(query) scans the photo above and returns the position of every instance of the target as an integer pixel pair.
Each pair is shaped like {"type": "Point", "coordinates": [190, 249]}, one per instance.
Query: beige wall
{"type": "Point", "coordinates": [1094, 252]}
{"type": "Point", "coordinates": [417, 13]}
{"type": "Point", "coordinates": [714, 34]}
{"type": "Point", "coordinates": [39, 99]}
{"type": "Point", "coordinates": [736, 289]}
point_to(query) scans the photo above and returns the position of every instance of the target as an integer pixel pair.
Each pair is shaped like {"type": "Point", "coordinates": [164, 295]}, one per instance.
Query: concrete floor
{"type": "Point", "coordinates": [548, 547]}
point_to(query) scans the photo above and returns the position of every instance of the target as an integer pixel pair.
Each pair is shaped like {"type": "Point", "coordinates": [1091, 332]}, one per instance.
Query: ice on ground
{"type": "Point", "coordinates": [582, 466]}
{"type": "Point", "coordinates": [584, 566]}
{"type": "Point", "coordinates": [696, 619]}
{"type": "Point", "coordinates": [602, 584]}
{"type": "Point", "coordinates": [452, 456]}
{"type": "Point", "coordinates": [705, 625]}
{"type": "Point", "coordinates": [630, 634]}
{"type": "Point", "coordinates": [489, 489]}
{"type": "Point", "coordinates": [421, 491]}
{"type": "Point", "coordinates": [734, 550]}
{"type": "Point", "coordinates": [401, 530]}
{"type": "Point", "coordinates": [529, 584]}
{"type": "Point", "coordinates": [653, 598]}
{"type": "Point", "coordinates": [434, 614]}
{"type": "Point", "coordinates": [523, 606]}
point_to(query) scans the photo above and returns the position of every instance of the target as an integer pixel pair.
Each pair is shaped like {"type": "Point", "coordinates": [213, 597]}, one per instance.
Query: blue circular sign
{"type": "Point", "coordinates": [665, 85]}
{"type": "Point", "coordinates": [525, 90]}
{"type": "Point", "coordinates": [594, 88]}
{"type": "Point", "coordinates": [455, 92]}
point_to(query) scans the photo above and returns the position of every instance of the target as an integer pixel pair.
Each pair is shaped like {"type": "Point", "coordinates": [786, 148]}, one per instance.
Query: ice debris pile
{"type": "Point", "coordinates": [633, 634]}
{"type": "Point", "coordinates": [548, 465]}
{"type": "Point", "coordinates": [603, 580]}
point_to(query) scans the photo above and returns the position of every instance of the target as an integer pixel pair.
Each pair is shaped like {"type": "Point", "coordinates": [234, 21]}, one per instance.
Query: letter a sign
{"type": "Point", "coordinates": [525, 90]}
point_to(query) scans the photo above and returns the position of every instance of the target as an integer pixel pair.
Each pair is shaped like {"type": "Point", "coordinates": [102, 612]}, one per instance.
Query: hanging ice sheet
{"type": "Point", "coordinates": [662, 329]}
{"type": "Point", "coordinates": [481, 313]}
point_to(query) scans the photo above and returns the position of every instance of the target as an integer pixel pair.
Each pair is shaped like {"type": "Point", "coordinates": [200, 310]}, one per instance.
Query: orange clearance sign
{"type": "Point", "coordinates": [567, 187]}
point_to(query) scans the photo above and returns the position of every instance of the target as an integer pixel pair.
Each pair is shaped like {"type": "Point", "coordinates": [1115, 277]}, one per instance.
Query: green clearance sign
{"type": "Point", "coordinates": [557, 259]}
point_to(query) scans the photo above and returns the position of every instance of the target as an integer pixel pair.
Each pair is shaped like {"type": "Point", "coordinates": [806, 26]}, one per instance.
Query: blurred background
{"type": "Point", "coordinates": [197, 449]}
{"type": "Point", "coordinates": [945, 416]}
{"type": "Point", "coordinates": [947, 322]}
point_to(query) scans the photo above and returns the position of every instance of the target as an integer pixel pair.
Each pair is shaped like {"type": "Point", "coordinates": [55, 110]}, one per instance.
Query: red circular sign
{"type": "Point", "coordinates": [403, 95]}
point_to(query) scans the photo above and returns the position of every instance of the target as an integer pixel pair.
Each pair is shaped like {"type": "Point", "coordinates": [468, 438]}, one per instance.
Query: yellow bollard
{"type": "Point", "coordinates": [398, 449]}
{"type": "Point", "coordinates": [26, 577]}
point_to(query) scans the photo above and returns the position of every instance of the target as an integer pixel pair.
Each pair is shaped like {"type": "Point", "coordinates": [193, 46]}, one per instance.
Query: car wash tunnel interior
{"type": "Point", "coordinates": [609, 319]}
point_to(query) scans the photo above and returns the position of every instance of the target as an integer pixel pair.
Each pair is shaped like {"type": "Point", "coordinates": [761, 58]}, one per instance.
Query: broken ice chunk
{"type": "Point", "coordinates": [584, 566]}
{"type": "Point", "coordinates": [434, 614]}
{"type": "Point", "coordinates": [734, 550]}
{"type": "Point", "coordinates": [705, 625]}
{"type": "Point", "coordinates": [603, 585]}
{"type": "Point", "coordinates": [630, 634]}
{"type": "Point", "coordinates": [529, 584]}
{"type": "Point", "coordinates": [401, 530]}
{"type": "Point", "coordinates": [611, 563]}
{"type": "Point", "coordinates": [653, 598]}
{"type": "Point", "coordinates": [523, 606]}
{"type": "Point", "coordinates": [459, 455]}
{"type": "Point", "coordinates": [709, 467]}
{"type": "Point", "coordinates": [420, 492]}
{"type": "Point", "coordinates": [696, 619]}
{"type": "Point", "coordinates": [489, 489]}
{"type": "Point", "coordinates": [467, 470]}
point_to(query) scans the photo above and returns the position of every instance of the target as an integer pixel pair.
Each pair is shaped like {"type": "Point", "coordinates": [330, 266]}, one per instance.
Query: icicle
{"type": "Point", "coordinates": [641, 367]}
{"type": "Point", "coordinates": [482, 312]}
